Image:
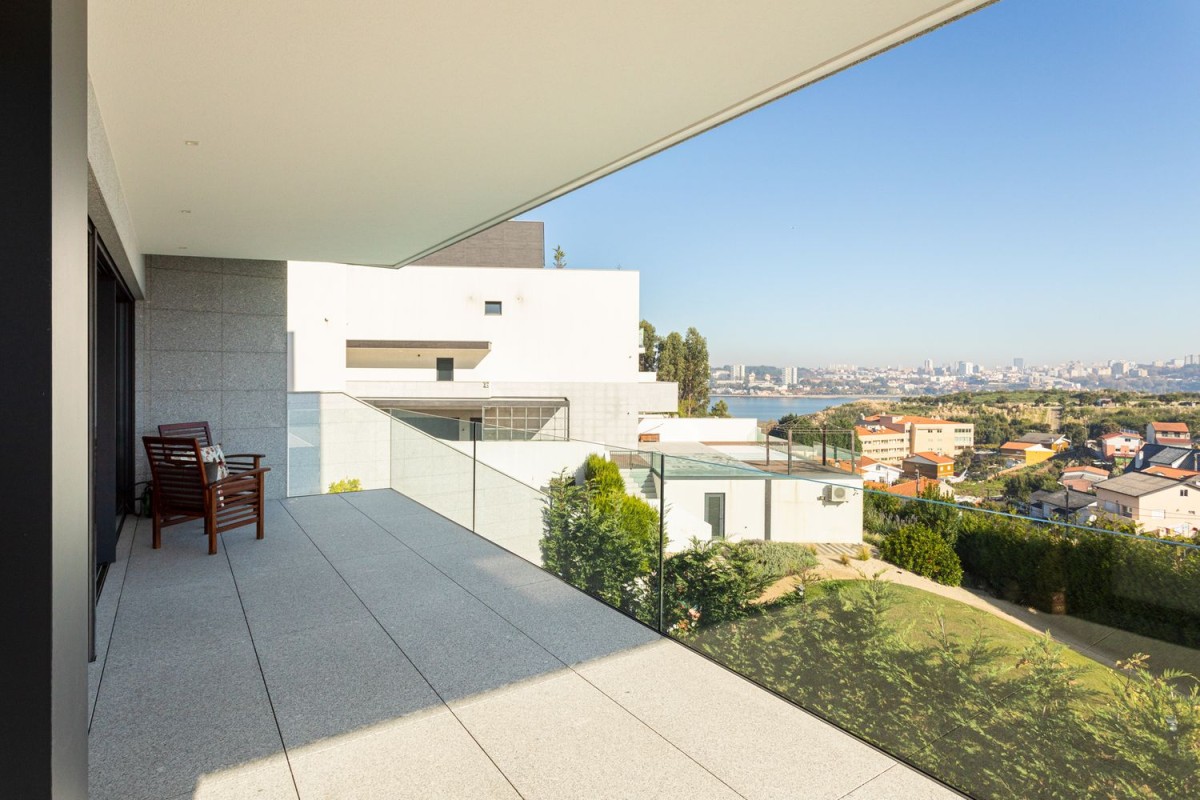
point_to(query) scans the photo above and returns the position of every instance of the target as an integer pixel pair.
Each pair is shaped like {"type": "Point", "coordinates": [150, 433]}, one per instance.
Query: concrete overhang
{"type": "Point", "coordinates": [377, 132]}
{"type": "Point", "coordinates": [408, 354]}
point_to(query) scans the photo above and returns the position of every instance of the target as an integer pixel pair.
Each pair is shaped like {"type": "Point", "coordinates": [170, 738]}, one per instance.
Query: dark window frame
{"type": "Point", "coordinates": [493, 308]}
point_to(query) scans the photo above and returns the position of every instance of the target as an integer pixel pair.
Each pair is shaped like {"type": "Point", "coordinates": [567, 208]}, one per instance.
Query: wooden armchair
{"type": "Point", "coordinates": [182, 491]}
{"type": "Point", "coordinates": [237, 462]}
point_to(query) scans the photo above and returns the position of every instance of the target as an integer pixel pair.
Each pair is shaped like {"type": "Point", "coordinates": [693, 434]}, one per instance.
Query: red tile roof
{"type": "Point", "coordinates": [1170, 427]}
{"type": "Point", "coordinates": [934, 457]}
{"type": "Point", "coordinates": [1016, 445]}
{"type": "Point", "coordinates": [1170, 472]}
{"type": "Point", "coordinates": [1120, 435]}
{"type": "Point", "coordinates": [911, 488]}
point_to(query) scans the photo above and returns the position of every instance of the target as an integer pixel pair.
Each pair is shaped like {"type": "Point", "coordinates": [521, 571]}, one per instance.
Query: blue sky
{"type": "Point", "coordinates": [1023, 182]}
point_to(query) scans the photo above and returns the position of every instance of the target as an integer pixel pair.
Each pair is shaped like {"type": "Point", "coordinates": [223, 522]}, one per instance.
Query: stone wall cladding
{"type": "Point", "coordinates": [509, 244]}
{"type": "Point", "coordinates": [211, 344]}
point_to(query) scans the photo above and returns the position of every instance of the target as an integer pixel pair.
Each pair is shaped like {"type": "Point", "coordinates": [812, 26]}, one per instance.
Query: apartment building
{"type": "Point", "coordinates": [924, 434]}
{"type": "Point", "coordinates": [883, 444]}
{"type": "Point", "coordinates": [1158, 504]}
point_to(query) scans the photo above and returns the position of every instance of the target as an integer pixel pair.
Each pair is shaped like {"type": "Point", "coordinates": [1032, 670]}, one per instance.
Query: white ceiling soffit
{"type": "Point", "coordinates": [378, 131]}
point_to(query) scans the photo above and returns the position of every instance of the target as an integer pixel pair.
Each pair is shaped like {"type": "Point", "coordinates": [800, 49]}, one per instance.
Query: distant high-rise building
{"type": "Point", "coordinates": [1019, 363]}
{"type": "Point", "coordinates": [966, 368]}
{"type": "Point", "coordinates": [791, 375]}
{"type": "Point", "coordinates": [737, 372]}
{"type": "Point", "coordinates": [928, 365]}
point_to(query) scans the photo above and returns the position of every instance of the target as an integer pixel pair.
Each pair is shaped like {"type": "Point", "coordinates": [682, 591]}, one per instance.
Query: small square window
{"type": "Point", "coordinates": [492, 308]}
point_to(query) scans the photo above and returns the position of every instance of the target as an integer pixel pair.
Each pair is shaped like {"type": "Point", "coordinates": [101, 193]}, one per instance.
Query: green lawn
{"type": "Point", "coordinates": [987, 706]}
{"type": "Point", "coordinates": [917, 607]}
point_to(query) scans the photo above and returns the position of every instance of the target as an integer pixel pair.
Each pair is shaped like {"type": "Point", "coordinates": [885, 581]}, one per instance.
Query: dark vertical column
{"type": "Point", "coordinates": [44, 398]}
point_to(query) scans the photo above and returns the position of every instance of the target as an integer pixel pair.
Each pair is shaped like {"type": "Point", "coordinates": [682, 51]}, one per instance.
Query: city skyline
{"type": "Point", "coordinates": [1027, 364]}
{"type": "Point", "coordinates": [1049, 146]}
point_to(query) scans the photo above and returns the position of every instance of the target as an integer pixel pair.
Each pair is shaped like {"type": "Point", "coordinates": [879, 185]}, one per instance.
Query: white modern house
{"type": "Point", "coordinates": [524, 352]}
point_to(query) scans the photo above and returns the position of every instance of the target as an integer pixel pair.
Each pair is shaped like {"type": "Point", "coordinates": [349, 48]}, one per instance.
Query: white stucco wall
{"type": "Point", "coordinates": [556, 325]}
{"type": "Point", "coordinates": [702, 429]}
{"type": "Point", "coordinates": [799, 512]}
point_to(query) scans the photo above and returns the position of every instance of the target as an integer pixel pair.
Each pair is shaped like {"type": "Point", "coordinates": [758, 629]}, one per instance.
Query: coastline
{"type": "Point", "coordinates": [810, 396]}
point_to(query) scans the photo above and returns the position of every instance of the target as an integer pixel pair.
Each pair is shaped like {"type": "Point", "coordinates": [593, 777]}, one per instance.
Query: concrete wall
{"type": "Point", "coordinates": [532, 463]}
{"type": "Point", "coordinates": [212, 345]}
{"type": "Point", "coordinates": [332, 437]}
{"type": "Point", "coordinates": [603, 413]}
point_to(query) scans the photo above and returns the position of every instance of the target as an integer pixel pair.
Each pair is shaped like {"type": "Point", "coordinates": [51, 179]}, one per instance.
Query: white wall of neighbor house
{"type": "Point", "coordinates": [799, 510]}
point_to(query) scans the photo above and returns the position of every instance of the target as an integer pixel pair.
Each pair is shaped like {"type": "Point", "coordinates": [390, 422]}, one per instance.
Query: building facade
{"type": "Point", "coordinates": [1169, 433]}
{"type": "Point", "coordinates": [922, 434]}
{"type": "Point", "coordinates": [510, 348]}
{"type": "Point", "coordinates": [1159, 505]}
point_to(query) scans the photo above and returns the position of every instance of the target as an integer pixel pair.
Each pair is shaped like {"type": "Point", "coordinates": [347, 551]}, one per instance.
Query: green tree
{"type": "Point", "coordinates": [719, 409]}
{"type": "Point", "coordinates": [670, 358]}
{"type": "Point", "coordinates": [560, 258]}
{"type": "Point", "coordinates": [648, 358]}
{"type": "Point", "coordinates": [1076, 433]}
{"type": "Point", "coordinates": [693, 385]}
{"type": "Point", "coordinates": [1020, 485]}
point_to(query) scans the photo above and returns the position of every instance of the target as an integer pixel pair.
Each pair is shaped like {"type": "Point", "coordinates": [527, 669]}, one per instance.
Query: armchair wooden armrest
{"type": "Point", "coordinates": [233, 501]}
{"type": "Point", "coordinates": [242, 462]}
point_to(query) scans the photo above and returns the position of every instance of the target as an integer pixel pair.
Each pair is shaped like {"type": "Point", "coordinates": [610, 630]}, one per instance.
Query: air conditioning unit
{"type": "Point", "coordinates": [836, 494]}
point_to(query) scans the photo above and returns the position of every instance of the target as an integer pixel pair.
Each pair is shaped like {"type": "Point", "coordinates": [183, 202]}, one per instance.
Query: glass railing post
{"type": "Point", "coordinates": [474, 469]}
{"type": "Point", "coordinates": [662, 538]}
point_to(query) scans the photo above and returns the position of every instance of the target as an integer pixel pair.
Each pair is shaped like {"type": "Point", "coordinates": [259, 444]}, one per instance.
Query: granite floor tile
{"type": "Point", "coordinates": [424, 755]}
{"type": "Point", "coordinates": [338, 678]}
{"type": "Point", "coordinates": [560, 738]}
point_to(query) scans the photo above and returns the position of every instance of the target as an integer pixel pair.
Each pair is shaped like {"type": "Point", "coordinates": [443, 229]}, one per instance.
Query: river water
{"type": "Point", "coordinates": [763, 408]}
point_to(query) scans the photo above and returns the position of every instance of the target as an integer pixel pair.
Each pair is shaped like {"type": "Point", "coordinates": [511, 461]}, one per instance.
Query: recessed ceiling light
{"type": "Point", "coordinates": [192, 142]}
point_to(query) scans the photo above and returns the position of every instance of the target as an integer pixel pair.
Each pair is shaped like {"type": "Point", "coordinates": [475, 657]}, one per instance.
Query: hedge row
{"type": "Point", "coordinates": [1136, 584]}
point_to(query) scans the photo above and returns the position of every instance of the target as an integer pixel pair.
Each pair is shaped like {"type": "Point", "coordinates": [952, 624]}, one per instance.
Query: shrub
{"type": "Point", "coordinates": [1130, 582]}
{"type": "Point", "coordinates": [864, 553]}
{"type": "Point", "coordinates": [602, 475]}
{"type": "Point", "coordinates": [709, 583]}
{"type": "Point", "coordinates": [345, 485]}
{"type": "Point", "coordinates": [920, 550]}
{"type": "Point", "coordinates": [780, 559]}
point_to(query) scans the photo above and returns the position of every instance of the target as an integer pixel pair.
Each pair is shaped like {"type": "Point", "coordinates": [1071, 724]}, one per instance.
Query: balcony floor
{"type": "Point", "coordinates": [370, 648]}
